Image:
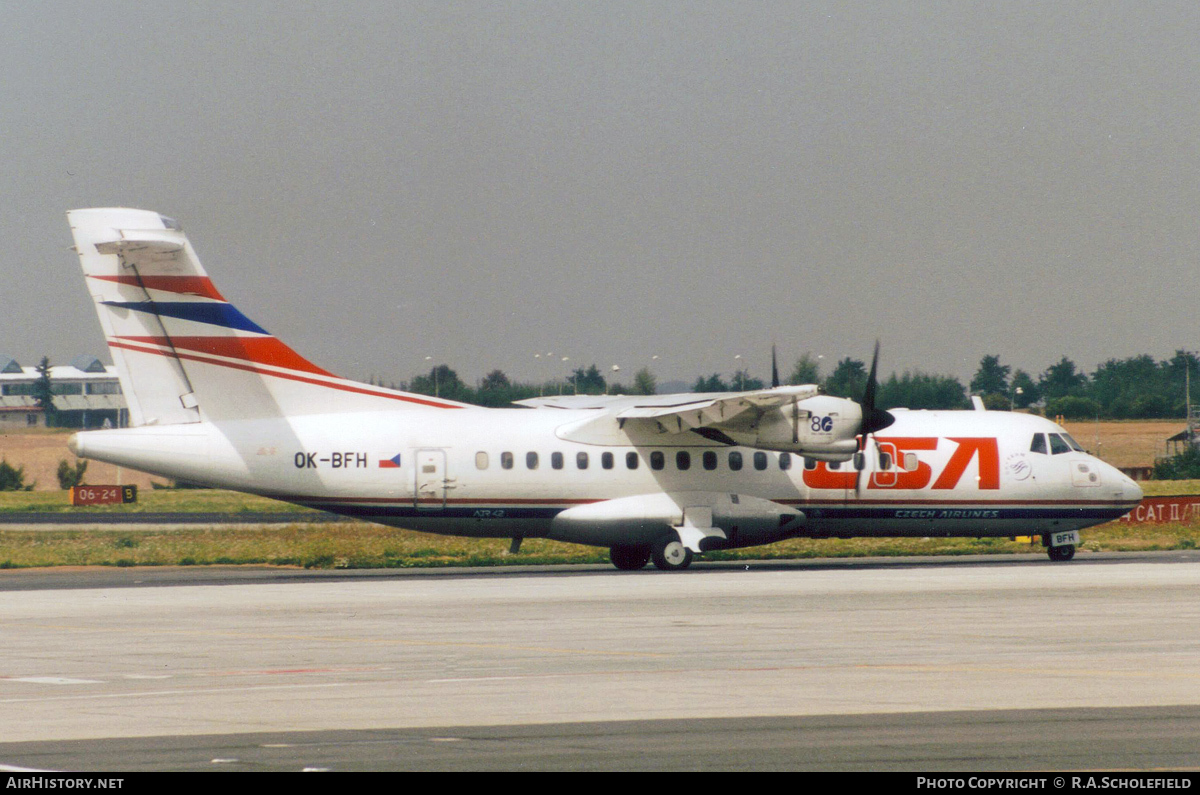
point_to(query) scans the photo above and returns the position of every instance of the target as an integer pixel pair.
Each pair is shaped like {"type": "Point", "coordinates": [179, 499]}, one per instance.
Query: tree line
{"type": "Point", "coordinates": [1137, 387]}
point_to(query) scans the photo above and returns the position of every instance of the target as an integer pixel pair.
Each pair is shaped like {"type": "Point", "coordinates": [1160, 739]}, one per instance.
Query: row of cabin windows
{"type": "Point", "coordinates": [709, 460]}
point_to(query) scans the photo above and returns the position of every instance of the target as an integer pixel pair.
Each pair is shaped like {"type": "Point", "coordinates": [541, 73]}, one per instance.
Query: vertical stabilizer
{"type": "Point", "coordinates": [185, 354]}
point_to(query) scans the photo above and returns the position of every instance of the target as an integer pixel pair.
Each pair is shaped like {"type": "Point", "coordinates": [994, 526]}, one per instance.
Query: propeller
{"type": "Point", "coordinates": [774, 368]}
{"type": "Point", "coordinates": [873, 419]}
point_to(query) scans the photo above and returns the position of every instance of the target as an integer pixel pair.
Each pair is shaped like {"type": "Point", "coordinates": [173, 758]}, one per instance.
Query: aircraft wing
{"type": "Point", "coordinates": [684, 412]}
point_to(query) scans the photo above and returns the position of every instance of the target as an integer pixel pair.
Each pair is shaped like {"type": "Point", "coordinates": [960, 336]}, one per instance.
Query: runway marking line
{"type": "Point", "coordinates": [569, 675]}
{"type": "Point", "coordinates": [51, 680]}
{"type": "Point", "coordinates": [935, 668]}
{"type": "Point", "coordinates": [335, 639]}
{"type": "Point", "coordinates": [152, 693]}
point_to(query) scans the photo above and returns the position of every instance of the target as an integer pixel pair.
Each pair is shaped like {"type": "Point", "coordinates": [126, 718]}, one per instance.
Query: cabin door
{"type": "Point", "coordinates": [432, 481]}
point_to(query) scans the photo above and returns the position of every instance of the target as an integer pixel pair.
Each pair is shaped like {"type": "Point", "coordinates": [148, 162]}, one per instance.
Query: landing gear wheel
{"type": "Point", "coordinates": [1065, 552]}
{"type": "Point", "coordinates": [629, 558]}
{"type": "Point", "coordinates": [671, 555]}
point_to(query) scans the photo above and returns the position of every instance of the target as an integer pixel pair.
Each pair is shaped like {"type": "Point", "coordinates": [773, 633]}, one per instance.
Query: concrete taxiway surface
{"type": "Point", "coordinates": [171, 655]}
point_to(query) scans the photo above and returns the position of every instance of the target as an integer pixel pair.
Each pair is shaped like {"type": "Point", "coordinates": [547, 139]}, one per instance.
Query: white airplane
{"type": "Point", "coordinates": [215, 399]}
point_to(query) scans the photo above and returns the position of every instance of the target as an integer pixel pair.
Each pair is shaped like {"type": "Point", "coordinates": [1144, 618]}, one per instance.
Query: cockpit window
{"type": "Point", "coordinates": [1058, 445]}
{"type": "Point", "coordinates": [1039, 444]}
{"type": "Point", "coordinates": [1073, 444]}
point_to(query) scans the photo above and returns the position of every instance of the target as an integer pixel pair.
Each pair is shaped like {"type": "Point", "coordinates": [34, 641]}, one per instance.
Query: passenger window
{"type": "Point", "coordinates": [581, 460]}
{"type": "Point", "coordinates": [606, 460]}
{"type": "Point", "coordinates": [481, 460]}
{"type": "Point", "coordinates": [1058, 445]}
{"type": "Point", "coordinates": [911, 462]}
{"type": "Point", "coordinates": [631, 460]}
{"type": "Point", "coordinates": [760, 461]}
{"type": "Point", "coordinates": [710, 460]}
{"type": "Point", "coordinates": [506, 460]}
{"type": "Point", "coordinates": [657, 461]}
{"type": "Point", "coordinates": [885, 461]}
{"type": "Point", "coordinates": [531, 460]}
{"type": "Point", "coordinates": [785, 461]}
{"type": "Point", "coordinates": [735, 461]}
{"type": "Point", "coordinates": [556, 460]}
{"type": "Point", "coordinates": [810, 464]}
{"type": "Point", "coordinates": [834, 465]}
{"type": "Point", "coordinates": [683, 460]}
{"type": "Point", "coordinates": [1039, 444]}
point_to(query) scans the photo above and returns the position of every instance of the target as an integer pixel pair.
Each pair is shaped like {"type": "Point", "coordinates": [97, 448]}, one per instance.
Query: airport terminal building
{"type": "Point", "coordinates": [86, 394]}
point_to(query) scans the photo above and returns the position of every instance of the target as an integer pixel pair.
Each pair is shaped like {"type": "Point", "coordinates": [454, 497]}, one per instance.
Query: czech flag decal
{"type": "Point", "coordinates": [390, 463]}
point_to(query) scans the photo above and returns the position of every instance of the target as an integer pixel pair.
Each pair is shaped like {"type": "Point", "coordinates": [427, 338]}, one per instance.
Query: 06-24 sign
{"type": "Point", "coordinates": [102, 495]}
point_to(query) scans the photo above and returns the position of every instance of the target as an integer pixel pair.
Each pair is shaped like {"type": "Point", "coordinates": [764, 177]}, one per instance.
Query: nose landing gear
{"type": "Point", "coordinates": [1061, 546]}
{"type": "Point", "coordinates": [1065, 552]}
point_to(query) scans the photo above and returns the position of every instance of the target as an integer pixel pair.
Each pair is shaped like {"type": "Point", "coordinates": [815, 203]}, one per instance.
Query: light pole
{"type": "Point", "coordinates": [616, 369]}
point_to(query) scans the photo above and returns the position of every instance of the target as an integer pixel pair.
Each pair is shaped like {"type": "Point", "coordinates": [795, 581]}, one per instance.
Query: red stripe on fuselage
{"type": "Point", "coordinates": [200, 286]}
{"type": "Point", "coordinates": [260, 350]}
{"type": "Point", "coordinates": [344, 387]}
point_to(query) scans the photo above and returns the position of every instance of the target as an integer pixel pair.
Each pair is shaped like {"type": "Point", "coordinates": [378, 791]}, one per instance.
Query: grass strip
{"type": "Point", "coordinates": [353, 545]}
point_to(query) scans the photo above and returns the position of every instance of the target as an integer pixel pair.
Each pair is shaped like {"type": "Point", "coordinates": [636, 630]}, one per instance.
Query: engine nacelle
{"type": "Point", "coordinates": [820, 427]}
{"type": "Point", "coordinates": [727, 519]}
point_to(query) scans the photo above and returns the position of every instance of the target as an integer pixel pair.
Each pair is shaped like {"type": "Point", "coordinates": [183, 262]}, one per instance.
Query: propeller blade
{"type": "Point", "coordinates": [774, 367]}
{"type": "Point", "coordinates": [873, 419]}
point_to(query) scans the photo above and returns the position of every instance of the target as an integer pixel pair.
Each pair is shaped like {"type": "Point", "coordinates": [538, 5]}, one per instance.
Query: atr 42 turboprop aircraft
{"type": "Point", "coordinates": [214, 398]}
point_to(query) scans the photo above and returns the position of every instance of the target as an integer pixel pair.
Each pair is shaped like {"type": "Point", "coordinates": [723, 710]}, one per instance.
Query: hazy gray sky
{"type": "Point", "coordinates": [377, 182]}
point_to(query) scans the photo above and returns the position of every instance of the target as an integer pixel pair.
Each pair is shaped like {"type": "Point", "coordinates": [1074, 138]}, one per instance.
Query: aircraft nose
{"type": "Point", "coordinates": [1127, 490]}
{"type": "Point", "coordinates": [1131, 491]}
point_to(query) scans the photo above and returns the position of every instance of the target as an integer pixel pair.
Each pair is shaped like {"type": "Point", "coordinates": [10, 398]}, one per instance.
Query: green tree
{"type": "Point", "coordinates": [587, 382]}
{"type": "Point", "coordinates": [1025, 391]}
{"type": "Point", "coordinates": [1062, 379]}
{"type": "Point", "coordinates": [43, 393]}
{"type": "Point", "coordinates": [1122, 387]}
{"type": "Point", "coordinates": [806, 371]}
{"type": "Point", "coordinates": [1073, 407]}
{"type": "Point", "coordinates": [991, 378]}
{"type": "Point", "coordinates": [70, 476]}
{"type": "Point", "coordinates": [1178, 371]}
{"type": "Point", "coordinates": [848, 379]}
{"type": "Point", "coordinates": [742, 381]}
{"type": "Point", "coordinates": [495, 380]}
{"type": "Point", "coordinates": [13, 478]}
{"type": "Point", "coordinates": [644, 382]}
{"type": "Point", "coordinates": [441, 382]}
{"type": "Point", "coordinates": [711, 384]}
{"type": "Point", "coordinates": [917, 390]}
{"type": "Point", "coordinates": [1185, 466]}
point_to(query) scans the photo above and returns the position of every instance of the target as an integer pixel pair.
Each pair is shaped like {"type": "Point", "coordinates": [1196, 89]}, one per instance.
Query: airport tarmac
{"type": "Point", "coordinates": [1006, 662]}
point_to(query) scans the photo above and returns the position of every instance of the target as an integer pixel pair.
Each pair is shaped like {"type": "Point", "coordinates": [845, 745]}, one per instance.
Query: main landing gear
{"type": "Point", "coordinates": [630, 558]}
{"type": "Point", "coordinates": [668, 554]}
{"type": "Point", "coordinates": [671, 555]}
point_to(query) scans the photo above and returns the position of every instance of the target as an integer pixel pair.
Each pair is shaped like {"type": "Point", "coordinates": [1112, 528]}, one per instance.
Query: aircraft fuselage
{"type": "Point", "coordinates": [516, 473]}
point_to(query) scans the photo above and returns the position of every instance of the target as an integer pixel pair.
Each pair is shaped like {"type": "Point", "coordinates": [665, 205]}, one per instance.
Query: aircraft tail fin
{"type": "Point", "coordinates": [185, 354]}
